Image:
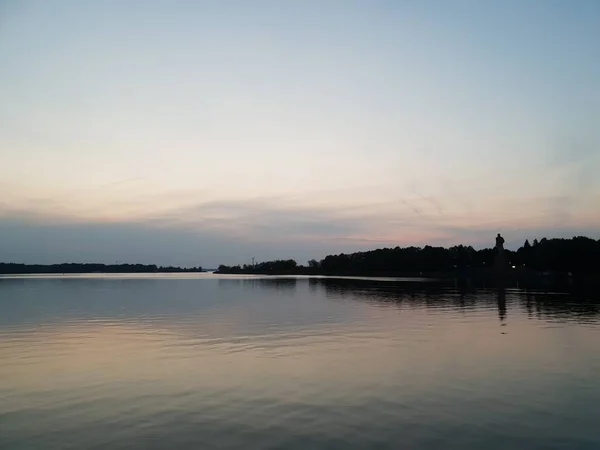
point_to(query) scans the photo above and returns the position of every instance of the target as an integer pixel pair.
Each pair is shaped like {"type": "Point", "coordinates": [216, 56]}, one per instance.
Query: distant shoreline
{"type": "Point", "coordinates": [90, 268]}
{"type": "Point", "coordinates": [547, 262]}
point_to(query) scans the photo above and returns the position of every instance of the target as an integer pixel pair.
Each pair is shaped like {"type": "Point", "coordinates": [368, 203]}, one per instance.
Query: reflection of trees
{"type": "Point", "coordinates": [501, 300]}
{"type": "Point", "coordinates": [561, 306]}
{"type": "Point", "coordinates": [437, 295]}
{"type": "Point", "coordinates": [387, 292]}
{"type": "Point", "coordinates": [279, 283]}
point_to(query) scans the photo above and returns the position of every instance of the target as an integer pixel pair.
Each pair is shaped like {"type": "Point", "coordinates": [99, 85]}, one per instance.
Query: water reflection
{"type": "Point", "coordinates": [542, 305]}
{"type": "Point", "coordinates": [277, 283]}
{"type": "Point", "coordinates": [501, 300]}
{"type": "Point", "coordinates": [293, 363]}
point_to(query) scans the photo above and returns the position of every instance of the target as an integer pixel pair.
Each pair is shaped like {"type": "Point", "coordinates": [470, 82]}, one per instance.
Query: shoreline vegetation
{"type": "Point", "coordinates": [25, 269]}
{"type": "Point", "coordinates": [574, 261]}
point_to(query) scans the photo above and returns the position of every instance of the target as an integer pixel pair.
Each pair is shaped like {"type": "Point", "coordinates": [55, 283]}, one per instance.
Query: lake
{"type": "Point", "coordinates": [224, 362]}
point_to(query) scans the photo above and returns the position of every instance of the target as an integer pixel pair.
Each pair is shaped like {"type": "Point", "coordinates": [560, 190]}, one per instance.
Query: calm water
{"type": "Point", "coordinates": [201, 362]}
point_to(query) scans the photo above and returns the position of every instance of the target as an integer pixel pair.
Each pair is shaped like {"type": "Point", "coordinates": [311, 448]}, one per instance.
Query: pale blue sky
{"type": "Point", "coordinates": [200, 132]}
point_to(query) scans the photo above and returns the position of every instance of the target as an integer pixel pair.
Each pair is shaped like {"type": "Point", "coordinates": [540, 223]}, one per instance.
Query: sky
{"type": "Point", "coordinates": [208, 132]}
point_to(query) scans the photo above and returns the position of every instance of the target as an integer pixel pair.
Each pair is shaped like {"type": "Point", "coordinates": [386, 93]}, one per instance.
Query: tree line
{"type": "Point", "coordinates": [579, 255]}
{"type": "Point", "coordinates": [15, 268]}
{"type": "Point", "coordinates": [280, 267]}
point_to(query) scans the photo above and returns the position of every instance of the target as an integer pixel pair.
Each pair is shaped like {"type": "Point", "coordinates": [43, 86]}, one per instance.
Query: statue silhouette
{"type": "Point", "coordinates": [500, 261]}
{"type": "Point", "coordinates": [499, 243]}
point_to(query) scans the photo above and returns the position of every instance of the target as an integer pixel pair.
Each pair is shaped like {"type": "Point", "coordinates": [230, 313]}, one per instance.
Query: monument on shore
{"type": "Point", "coordinates": [500, 262]}
{"type": "Point", "coordinates": [499, 243]}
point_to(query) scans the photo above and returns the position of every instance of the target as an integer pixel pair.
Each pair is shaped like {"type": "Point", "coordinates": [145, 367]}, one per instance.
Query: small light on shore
{"type": "Point", "coordinates": [514, 267]}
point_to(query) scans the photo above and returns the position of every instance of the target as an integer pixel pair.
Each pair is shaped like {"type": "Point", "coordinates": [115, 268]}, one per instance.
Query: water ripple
{"type": "Point", "coordinates": [201, 363]}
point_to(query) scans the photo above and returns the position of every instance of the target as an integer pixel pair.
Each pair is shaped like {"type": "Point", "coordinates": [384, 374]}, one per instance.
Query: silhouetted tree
{"type": "Point", "coordinates": [577, 255]}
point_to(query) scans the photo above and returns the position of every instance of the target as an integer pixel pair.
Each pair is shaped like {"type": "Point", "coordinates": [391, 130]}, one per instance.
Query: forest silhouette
{"type": "Point", "coordinates": [13, 268]}
{"type": "Point", "coordinates": [577, 257]}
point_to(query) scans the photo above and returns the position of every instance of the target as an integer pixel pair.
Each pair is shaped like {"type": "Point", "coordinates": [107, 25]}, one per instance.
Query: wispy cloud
{"type": "Point", "coordinates": [211, 232]}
